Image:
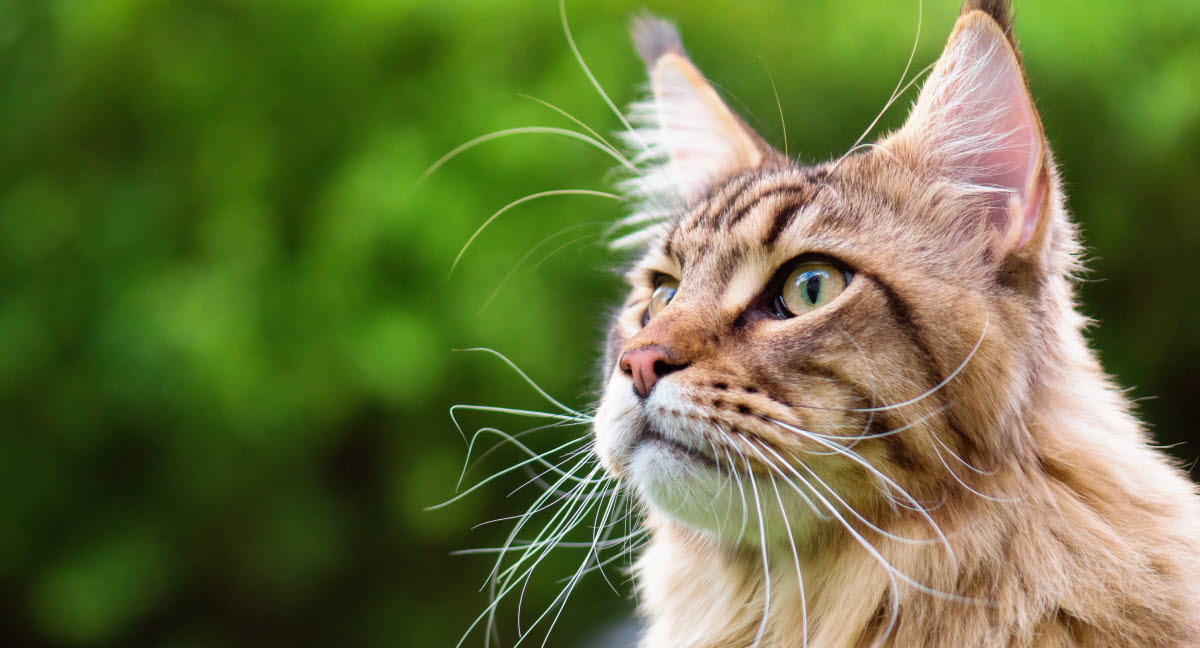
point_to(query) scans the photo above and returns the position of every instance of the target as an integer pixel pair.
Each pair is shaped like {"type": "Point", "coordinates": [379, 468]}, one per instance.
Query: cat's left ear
{"type": "Point", "coordinates": [685, 124]}
{"type": "Point", "coordinates": [975, 124]}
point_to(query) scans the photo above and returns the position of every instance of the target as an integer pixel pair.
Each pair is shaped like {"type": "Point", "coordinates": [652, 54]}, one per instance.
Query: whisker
{"type": "Point", "coordinates": [796, 559]}
{"type": "Point", "coordinates": [878, 474]}
{"type": "Point", "coordinates": [562, 12]}
{"type": "Point", "coordinates": [916, 399]}
{"type": "Point", "coordinates": [557, 496]}
{"type": "Point", "coordinates": [525, 378]}
{"type": "Point", "coordinates": [858, 143]}
{"type": "Point", "coordinates": [561, 600]}
{"type": "Point", "coordinates": [733, 472]}
{"type": "Point", "coordinates": [762, 541]}
{"type": "Point", "coordinates": [540, 482]}
{"type": "Point", "coordinates": [878, 435]}
{"type": "Point", "coordinates": [964, 462]}
{"type": "Point", "coordinates": [523, 130]}
{"type": "Point", "coordinates": [778, 104]}
{"type": "Point", "coordinates": [565, 246]}
{"type": "Point", "coordinates": [537, 505]}
{"type": "Point", "coordinates": [521, 201]}
{"type": "Point", "coordinates": [954, 474]}
{"type": "Point", "coordinates": [843, 502]}
{"type": "Point", "coordinates": [537, 457]}
{"type": "Point", "coordinates": [503, 442]}
{"type": "Point", "coordinates": [770, 464]}
{"type": "Point", "coordinates": [547, 538]}
{"type": "Point", "coordinates": [897, 91]}
{"type": "Point", "coordinates": [497, 475]}
{"type": "Point", "coordinates": [556, 535]}
{"type": "Point", "coordinates": [874, 379]}
{"type": "Point", "coordinates": [859, 516]}
{"type": "Point", "coordinates": [616, 151]}
{"type": "Point", "coordinates": [517, 266]}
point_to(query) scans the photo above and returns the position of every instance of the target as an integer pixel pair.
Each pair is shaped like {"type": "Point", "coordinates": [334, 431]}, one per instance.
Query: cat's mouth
{"type": "Point", "coordinates": [650, 435]}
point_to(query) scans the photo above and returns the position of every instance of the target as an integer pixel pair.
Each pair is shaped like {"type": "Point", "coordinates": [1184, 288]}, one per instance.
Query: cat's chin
{"type": "Point", "coordinates": [691, 489]}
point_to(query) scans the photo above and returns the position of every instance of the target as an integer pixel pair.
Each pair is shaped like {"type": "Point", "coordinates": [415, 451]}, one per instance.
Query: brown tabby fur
{"type": "Point", "coordinates": [1067, 529]}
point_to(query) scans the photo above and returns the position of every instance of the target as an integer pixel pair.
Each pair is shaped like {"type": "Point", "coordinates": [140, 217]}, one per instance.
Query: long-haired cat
{"type": "Point", "coordinates": [854, 401]}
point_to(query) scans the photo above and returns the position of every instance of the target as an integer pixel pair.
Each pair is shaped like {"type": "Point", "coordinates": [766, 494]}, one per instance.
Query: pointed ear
{"type": "Point", "coordinates": [975, 125]}
{"type": "Point", "coordinates": [684, 125]}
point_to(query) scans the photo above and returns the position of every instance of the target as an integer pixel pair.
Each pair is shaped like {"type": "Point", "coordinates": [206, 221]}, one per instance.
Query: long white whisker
{"type": "Point", "coordinates": [916, 399]}
{"type": "Point", "coordinates": [498, 474]}
{"type": "Point", "coordinates": [733, 472]}
{"type": "Point", "coordinates": [870, 548]}
{"type": "Point", "coordinates": [523, 200]}
{"type": "Point", "coordinates": [571, 515]}
{"type": "Point", "coordinates": [874, 379]}
{"type": "Point", "coordinates": [537, 505]}
{"type": "Point", "coordinates": [468, 465]}
{"type": "Point", "coordinates": [880, 435]}
{"type": "Point", "coordinates": [770, 464]}
{"type": "Point", "coordinates": [539, 458]}
{"type": "Point", "coordinates": [796, 558]}
{"type": "Point", "coordinates": [897, 91]}
{"type": "Point", "coordinates": [853, 456]}
{"type": "Point", "coordinates": [508, 575]}
{"type": "Point", "coordinates": [562, 12]}
{"type": "Point", "coordinates": [964, 462]}
{"type": "Point", "coordinates": [541, 392]}
{"type": "Point", "coordinates": [524, 130]}
{"type": "Point", "coordinates": [778, 104]}
{"type": "Point", "coordinates": [954, 474]}
{"type": "Point", "coordinates": [561, 600]}
{"type": "Point", "coordinates": [762, 541]}
{"type": "Point", "coordinates": [833, 493]}
{"type": "Point", "coordinates": [520, 262]}
{"type": "Point", "coordinates": [616, 151]}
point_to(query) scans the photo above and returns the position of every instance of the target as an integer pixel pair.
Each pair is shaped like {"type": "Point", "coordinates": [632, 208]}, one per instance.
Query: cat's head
{"type": "Point", "coordinates": [858, 331]}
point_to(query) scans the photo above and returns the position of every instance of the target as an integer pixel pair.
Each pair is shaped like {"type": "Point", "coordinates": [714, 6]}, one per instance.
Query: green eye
{"type": "Point", "coordinates": [661, 296]}
{"type": "Point", "coordinates": [810, 286]}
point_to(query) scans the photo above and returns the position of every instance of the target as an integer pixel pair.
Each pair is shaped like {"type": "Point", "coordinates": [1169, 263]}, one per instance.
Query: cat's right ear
{"type": "Point", "coordinates": [975, 124]}
{"type": "Point", "coordinates": [685, 125]}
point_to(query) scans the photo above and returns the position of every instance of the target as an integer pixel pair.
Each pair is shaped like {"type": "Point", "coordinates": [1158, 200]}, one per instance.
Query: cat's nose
{"type": "Point", "coordinates": [645, 366]}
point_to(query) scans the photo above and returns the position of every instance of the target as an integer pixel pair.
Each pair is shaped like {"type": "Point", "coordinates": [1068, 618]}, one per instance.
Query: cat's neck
{"type": "Point", "coordinates": [1040, 549]}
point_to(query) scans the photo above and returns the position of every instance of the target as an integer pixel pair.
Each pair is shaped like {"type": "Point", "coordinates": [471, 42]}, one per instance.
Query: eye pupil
{"type": "Point", "coordinates": [813, 288]}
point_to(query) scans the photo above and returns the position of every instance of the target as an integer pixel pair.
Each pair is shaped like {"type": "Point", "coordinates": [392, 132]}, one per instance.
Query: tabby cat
{"type": "Point", "coordinates": [854, 401]}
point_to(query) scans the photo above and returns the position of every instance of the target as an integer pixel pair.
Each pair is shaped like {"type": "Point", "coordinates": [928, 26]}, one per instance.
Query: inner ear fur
{"type": "Point", "coordinates": [975, 126]}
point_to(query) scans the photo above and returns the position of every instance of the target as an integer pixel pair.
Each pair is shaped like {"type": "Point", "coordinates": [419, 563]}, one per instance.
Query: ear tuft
{"type": "Point", "coordinates": [999, 10]}
{"type": "Point", "coordinates": [654, 37]}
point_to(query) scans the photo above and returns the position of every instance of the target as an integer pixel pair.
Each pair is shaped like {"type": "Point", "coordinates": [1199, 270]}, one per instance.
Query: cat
{"type": "Point", "coordinates": [854, 403]}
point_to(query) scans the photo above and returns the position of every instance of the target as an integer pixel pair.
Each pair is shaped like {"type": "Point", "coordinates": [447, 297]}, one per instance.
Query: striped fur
{"type": "Point", "coordinates": [953, 375]}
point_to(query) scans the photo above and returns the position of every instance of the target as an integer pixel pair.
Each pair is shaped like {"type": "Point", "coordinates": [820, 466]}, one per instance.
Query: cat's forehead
{"type": "Point", "coordinates": [764, 218]}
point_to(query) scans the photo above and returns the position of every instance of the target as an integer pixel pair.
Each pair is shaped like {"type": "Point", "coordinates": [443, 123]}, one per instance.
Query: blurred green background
{"type": "Point", "coordinates": [225, 318]}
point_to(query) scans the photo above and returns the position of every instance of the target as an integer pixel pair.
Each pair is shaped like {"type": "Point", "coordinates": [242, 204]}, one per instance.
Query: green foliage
{"type": "Point", "coordinates": [226, 324]}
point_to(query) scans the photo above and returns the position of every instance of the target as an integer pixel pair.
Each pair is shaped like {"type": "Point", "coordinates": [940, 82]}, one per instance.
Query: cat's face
{"type": "Point", "coordinates": [806, 340]}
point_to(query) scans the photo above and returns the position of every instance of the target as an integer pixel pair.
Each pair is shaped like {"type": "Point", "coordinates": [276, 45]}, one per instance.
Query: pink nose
{"type": "Point", "coordinates": [646, 366]}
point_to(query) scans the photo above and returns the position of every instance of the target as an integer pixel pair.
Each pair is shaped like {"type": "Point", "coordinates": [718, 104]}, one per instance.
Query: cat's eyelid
{"type": "Point", "coordinates": [660, 278]}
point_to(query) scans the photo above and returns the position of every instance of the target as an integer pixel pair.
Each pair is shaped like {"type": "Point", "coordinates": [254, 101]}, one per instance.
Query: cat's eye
{"type": "Point", "coordinates": [664, 290]}
{"type": "Point", "coordinates": [809, 286]}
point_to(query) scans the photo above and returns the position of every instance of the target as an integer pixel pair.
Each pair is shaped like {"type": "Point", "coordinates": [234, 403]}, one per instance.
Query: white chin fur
{"type": "Point", "coordinates": [685, 488]}
{"type": "Point", "coordinates": [693, 493]}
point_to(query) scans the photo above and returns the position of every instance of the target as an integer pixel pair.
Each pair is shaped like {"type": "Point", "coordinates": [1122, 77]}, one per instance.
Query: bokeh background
{"type": "Point", "coordinates": [226, 321]}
